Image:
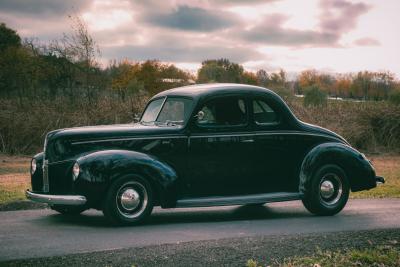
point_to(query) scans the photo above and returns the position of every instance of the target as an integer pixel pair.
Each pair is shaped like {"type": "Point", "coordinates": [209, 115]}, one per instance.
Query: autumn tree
{"type": "Point", "coordinates": [249, 78]}
{"type": "Point", "coordinates": [220, 70]}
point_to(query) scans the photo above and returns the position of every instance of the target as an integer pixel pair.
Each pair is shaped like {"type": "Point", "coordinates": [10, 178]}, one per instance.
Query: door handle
{"type": "Point", "coordinates": [247, 141]}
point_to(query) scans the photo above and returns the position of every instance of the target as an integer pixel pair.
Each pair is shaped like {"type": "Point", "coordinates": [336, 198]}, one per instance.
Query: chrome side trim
{"type": "Point", "coordinates": [128, 139]}
{"type": "Point", "coordinates": [265, 134]}
{"type": "Point", "coordinates": [56, 199]}
{"type": "Point", "coordinates": [204, 136]}
{"type": "Point", "coordinates": [238, 200]}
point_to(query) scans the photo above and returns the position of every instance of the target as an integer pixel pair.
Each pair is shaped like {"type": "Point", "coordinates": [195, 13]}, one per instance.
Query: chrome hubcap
{"type": "Point", "coordinates": [327, 189]}
{"type": "Point", "coordinates": [130, 199]}
{"type": "Point", "coordinates": [331, 189]}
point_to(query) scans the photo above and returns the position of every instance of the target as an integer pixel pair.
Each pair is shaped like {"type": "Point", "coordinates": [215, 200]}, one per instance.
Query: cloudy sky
{"type": "Point", "coordinates": [329, 35]}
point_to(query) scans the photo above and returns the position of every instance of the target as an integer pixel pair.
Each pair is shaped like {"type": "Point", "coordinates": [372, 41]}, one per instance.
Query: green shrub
{"type": "Point", "coordinates": [394, 97]}
{"type": "Point", "coordinates": [314, 96]}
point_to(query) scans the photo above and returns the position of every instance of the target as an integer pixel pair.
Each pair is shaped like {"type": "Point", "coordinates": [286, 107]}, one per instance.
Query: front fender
{"type": "Point", "coordinates": [359, 171]}
{"type": "Point", "coordinates": [99, 169]}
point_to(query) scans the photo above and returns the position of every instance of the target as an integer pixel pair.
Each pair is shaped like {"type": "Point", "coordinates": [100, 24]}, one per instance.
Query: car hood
{"type": "Point", "coordinates": [61, 144]}
{"type": "Point", "coordinates": [111, 131]}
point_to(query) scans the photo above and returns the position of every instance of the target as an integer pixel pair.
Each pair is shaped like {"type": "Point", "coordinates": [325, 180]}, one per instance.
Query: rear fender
{"type": "Point", "coordinates": [358, 169]}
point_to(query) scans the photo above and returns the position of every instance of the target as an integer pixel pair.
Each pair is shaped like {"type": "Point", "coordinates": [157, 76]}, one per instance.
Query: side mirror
{"type": "Point", "coordinates": [200, 115]}
{"type": "Point", "coordinates": [136, 118]}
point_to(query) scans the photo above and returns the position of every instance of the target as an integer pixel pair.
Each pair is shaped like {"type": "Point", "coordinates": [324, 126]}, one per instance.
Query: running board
{"type": "Point", "coordinates": [237, 200]}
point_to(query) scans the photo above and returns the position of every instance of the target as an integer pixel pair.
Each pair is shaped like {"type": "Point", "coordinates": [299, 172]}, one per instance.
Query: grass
{"type": "Point", "coordinates": [387, 166]}
{"type": "Point", "coordinates": [15, 178]}
{"type": "Point", "coordinates": [380, 256]}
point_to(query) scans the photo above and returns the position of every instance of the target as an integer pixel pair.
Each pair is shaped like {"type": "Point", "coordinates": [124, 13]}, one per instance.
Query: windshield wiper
{"type": "Point", "coordinates": [162, 123]}
{"type": "Point", "coordinates": [173, 123]}
{"type": "Point", "coordinates": [147, 122]}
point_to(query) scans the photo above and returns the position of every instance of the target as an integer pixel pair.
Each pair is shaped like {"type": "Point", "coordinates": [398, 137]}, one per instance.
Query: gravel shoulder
{"type": "Point", "coordinates": [266, 250]}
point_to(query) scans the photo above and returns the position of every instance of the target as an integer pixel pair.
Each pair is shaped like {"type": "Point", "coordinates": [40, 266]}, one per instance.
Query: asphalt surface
{"type": "Point", "coordinates": [44, 233]}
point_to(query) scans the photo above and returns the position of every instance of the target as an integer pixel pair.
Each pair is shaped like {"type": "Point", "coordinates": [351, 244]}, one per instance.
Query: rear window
{"type": "Point", "coordinates": [263, 113]}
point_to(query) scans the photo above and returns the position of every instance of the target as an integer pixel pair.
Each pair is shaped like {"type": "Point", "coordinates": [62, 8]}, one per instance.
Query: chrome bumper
{"type": "Point", "coordinates": [379, 180]}
{"type": "Point", "coordinates": [56, 199]}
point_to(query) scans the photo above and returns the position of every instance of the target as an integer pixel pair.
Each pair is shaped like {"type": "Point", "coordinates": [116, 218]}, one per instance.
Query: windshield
{"type": "Point", "coordinates": [170, 111]}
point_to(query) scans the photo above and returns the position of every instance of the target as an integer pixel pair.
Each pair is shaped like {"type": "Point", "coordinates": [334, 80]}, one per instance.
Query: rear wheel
{"type": "Point", "coordinates": [129, 201]}
{"type": "Point", "coordinates": [329, 191]}
{"type": "Point", "coordinates": [68, 210]}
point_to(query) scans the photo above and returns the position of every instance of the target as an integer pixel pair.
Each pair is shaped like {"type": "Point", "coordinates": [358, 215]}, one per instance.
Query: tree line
{"type": "Point", "coordinates": [69, 67]}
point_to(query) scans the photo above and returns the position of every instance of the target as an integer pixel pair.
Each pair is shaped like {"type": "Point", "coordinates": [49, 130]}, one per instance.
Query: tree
{"type": "Point", "coordinates": [154, 76]}
{"type": "Point", "coordinates": [277, 80]}
{"type": "Point", "coordinates": [262, 77]}
{"type": "Point", "coordinates": [342, 85]}
{"type": "Point", "coordinates": [221, 70]}
{"type": "Point", "coordinates": [8, 38]}
{"type": "Point", "coordinates": [249, 78]}
{"type": "Point", "coordinates": [80, 48]}
{"type": "Point", "coordinates": [308, 78]}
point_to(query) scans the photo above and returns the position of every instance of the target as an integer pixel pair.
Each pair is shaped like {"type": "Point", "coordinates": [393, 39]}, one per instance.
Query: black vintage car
{"type": "Point", "coordinates": [197, 146]}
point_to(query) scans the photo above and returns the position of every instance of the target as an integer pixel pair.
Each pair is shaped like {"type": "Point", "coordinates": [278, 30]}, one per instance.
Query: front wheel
{"type": "Point", "coordinates": [68, 210]}
{"type": "Point", "coordinates": [129, 201]}
{"type": "Point", "coordinates": [328, 191]}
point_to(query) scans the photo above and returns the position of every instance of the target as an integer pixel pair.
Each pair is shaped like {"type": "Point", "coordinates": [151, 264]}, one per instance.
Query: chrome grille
{"type": "Point", "coordinates": [45, 187]}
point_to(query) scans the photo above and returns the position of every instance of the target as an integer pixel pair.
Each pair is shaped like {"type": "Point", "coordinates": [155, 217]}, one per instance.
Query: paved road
{"type": "Point", "coordinates": [42, 233]}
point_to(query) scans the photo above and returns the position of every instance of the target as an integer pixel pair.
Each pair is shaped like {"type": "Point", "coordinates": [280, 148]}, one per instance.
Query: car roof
{"type": "Point", "coordinates": [203, 90]}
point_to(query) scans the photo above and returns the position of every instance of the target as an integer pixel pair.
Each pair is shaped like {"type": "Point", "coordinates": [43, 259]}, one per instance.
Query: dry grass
{"type": "Point", "coordinates": [373, 127]}
{"type": "Point", "coordinates": [387, 166]}
{"type": "Point", "coordinates": [23, 127]}
{"type": "Point", "coordinates": [14, 178]}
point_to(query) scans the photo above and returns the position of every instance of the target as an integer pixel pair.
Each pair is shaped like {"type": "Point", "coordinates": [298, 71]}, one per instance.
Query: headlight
{"type": "Point", "coordinates": [33, 166]}
{"type": "Point", "coordinates": [75, 171]}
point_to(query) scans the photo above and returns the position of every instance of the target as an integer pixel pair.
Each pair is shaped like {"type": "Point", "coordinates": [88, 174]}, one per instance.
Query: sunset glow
{"type": "Point", "coordinates": [330, 35]}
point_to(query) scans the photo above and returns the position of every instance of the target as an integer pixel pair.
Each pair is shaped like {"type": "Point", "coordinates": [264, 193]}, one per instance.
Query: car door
{"type": "Point", "coordinates": [219, 147]}
{"type": "Point", "coordinates": [273, 159]}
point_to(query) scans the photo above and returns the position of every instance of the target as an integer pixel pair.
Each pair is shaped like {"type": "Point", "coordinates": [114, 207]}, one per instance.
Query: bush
{"type": "Point", "coordinates": [373, 126]}
{"type": "Point", "coordinates": [23, 127]}
{"type": "Point", "coordinates": [314, 96]}
{"type": "Point", "coordinates": [394, 97]}
{"type": "Point", "coordinates": [283, 92]}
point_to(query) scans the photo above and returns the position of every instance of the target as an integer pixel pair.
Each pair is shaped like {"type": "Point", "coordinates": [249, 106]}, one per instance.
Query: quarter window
{"type": "Point", "coordinates": [263, 113]}
{"type": "Point", "coordinates": [228, 111]}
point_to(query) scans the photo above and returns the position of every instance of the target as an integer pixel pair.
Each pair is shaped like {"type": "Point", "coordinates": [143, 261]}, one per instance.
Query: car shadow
{"type": "Point", "coordinates": [236, 213]}
{"type": "Point", "coordinates": [192, 215]}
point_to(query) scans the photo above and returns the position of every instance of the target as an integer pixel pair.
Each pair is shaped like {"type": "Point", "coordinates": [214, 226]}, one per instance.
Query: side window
{"type": "Point", "coordinates": [263, 113]}
{"type": "Point", "coordinates": [227, 111]}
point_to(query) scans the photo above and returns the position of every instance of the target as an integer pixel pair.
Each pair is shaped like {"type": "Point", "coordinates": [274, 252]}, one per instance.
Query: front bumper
{"type": "Point", "coordinates": [74, 200]}
{"type": "Point", "coordinates": [379, 180]}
